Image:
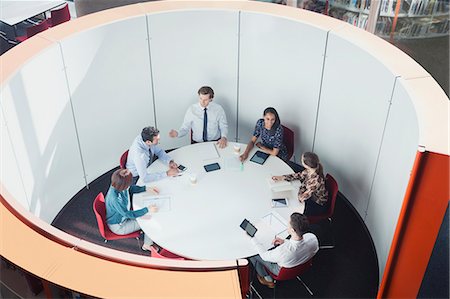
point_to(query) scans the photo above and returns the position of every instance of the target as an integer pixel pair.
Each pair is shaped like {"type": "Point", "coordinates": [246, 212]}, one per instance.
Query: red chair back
{"type": "Point", "coordinates": [291, 273]}
{"type": "Point", "coordinates": [35, 29]}
{"type": "Point", "coordinates": [288, 139]}
{"type": "Point", "coordinates": [100, 214]}
{"type": "Point", "coordinates": [60, 15]}
{"type": "Point", "coordinates": [123, 160]}
{"type": "Point", "coordinates": [332, 187]}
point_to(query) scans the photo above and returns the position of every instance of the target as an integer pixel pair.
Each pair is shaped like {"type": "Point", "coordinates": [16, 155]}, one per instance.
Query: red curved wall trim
{"type": "Point", "coordinates": [421, 216]}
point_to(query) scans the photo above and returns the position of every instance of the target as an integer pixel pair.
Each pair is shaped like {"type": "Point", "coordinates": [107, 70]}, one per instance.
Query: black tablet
{"type": "Point", "coordinates": [259, 157]}
{"type": "Point", "coordinates": [212, 167]}
{"type": "Point", "coordinates": [249, 228]}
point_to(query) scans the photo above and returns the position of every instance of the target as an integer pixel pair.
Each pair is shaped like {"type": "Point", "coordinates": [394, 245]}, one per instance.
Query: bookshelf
{"type": "Point", "coordinates": [415, 19]}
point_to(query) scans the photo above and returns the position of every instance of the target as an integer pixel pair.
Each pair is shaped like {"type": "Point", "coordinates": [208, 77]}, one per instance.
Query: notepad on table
{"type": "Point", "coordinates": [280, 186]}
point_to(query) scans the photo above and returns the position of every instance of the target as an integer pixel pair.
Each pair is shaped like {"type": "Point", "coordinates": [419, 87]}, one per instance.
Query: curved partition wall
{"type": "Point", "coordinates": [73, 98]}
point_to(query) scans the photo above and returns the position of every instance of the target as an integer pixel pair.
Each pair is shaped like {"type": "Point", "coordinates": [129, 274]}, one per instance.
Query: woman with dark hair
{"type": "Point", "coordinates": [270, 131]}
{"type": "Point", "coordinates": [119, 218]}
{"type": "Point", "coordinates": [313, 189]}
{"type": "Point", "coordinates": [300, 248]}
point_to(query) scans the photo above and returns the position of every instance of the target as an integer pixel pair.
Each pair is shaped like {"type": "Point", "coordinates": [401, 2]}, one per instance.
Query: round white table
{"type": "Point", "coordinates": [202, 221]}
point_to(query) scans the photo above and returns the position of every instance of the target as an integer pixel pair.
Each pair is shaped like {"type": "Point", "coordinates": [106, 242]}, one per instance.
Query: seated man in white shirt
{"type": "Point", "coordinates": [143, 152]}
{"type": "Point", "coordinates": [207, 120]}
{"type": "Point", "coordinates": [292, 252]}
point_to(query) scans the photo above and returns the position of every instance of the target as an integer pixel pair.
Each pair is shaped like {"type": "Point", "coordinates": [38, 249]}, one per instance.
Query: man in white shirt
{"type": "Point", "coordinates": [207, 120]}
{"type": "Point", "coordinates": [297, 250]}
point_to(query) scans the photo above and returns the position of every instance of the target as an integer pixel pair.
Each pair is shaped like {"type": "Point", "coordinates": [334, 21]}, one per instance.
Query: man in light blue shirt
{"type": "Point", "coordinates": [207, 120]}
{"type": "Point", "coordinates": [143, 152]}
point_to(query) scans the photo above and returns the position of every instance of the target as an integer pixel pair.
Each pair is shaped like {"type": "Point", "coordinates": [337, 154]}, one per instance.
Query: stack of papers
{"type": "Point", "coordinates": [280, 186]}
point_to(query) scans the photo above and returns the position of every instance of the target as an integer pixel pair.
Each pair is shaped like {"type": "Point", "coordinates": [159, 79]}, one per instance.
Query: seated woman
{"type": "Point", "coordinates": [271, 132]}
{"type": "Point", "coordinates": [119, 218]}
{"type": "Point", "coordinates": [313, 189]}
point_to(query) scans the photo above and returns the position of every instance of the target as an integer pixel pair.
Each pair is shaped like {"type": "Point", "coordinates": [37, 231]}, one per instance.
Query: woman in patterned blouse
{"type": "Point", "coordinates": [313, 189]}
{"type": "Point", "coordinates": [271, 132]}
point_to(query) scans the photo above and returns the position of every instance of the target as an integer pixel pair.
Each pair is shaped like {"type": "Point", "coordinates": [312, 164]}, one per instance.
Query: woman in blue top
{"type": "Point", "coordinates": [270, 131]}
{"type": "Point", "coordinates": [119, 218]}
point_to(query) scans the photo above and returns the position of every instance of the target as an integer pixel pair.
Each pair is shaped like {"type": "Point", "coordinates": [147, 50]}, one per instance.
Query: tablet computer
{"type": "Point", "coordinates": [212, 167]}
{"type": "Point", "coordinates": [279, 202]}
{"type": "Point", "coordinates": [259, 157]}
{"type": "Point", "coordinates": [249, 228]}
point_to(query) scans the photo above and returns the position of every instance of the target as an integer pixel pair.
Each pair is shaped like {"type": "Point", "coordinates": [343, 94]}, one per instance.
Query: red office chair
{"type": "Point", "coordinates": [332, 188]}
{"type": "Point", "coordinates": [291, 273]}
{"type": "Point", "coordinates": [100, 213]}
{"type": "Point", "coordinates": [288, 139]}
{"type": "Point", "coordinates": [59, 16]}
{"type": "Point", "coordinates": [164, 254]}
{"type": "Point", "coordinates": [33, 30]}
{"type": "Point", "coordinates": [123, 160]}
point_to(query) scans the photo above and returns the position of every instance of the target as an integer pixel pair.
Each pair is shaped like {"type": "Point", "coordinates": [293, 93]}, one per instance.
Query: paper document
{"type": "Point", "coordinates": [270, 226]}
{"type": "Point", "coordinates": [161, 202]}
{"type": "Point", "coordinates": [233, 163]}
{"type": "Point", "coordinates": [208, 151]}
{"type": "Point", "coordinates": [275, 222]}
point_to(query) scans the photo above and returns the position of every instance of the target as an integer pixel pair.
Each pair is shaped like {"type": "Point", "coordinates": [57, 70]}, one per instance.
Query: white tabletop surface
{"type": "Point", "coordinates": [14, 12]}
{"type": "Point", "coordinates": [202, 220]}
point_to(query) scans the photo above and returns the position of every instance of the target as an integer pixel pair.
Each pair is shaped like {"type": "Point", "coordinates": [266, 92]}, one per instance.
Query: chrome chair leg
{"type": "Point", "coordinates": [306, 287]}
{"type": "Point", "coordinates": [252, 289]}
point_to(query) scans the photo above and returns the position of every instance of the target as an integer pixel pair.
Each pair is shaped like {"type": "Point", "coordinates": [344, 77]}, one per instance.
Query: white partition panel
{"type": "Point", "coordinates": [110, 85]}
{"type": "Point", "coordinates": [190, 49]}
{"type": "Point", "coordinates": [280, 66]}
{"type": "Point", "coordinates": [40, 123]}
{"type": "Point", "coordinates": [354, 104]}
{"type": "Point", "coordinates": [393, 171]}
{"type": "Point", "coordinates": [11, 179]}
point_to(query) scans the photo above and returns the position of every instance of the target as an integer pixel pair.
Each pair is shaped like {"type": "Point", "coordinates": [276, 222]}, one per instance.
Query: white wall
{"type": "Point", "coordinates": [191, 49]}
{"type": "Point", "coordinates": [111, 92]}
{"type": "Point", "coordinates": [279, 68]}
{"type": "Point", "coordinates": [393, 170]}
{"type": "Point", "coordinates": [353, 109]}
{"type": "Point", "coordinates": [36, 107]}
{"type": "Point", "coordinates": [9, 171]}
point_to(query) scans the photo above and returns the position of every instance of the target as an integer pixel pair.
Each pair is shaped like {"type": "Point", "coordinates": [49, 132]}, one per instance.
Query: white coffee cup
{"type": "Point", "coordinates": [193, 179]}
{"type": "Point", "coordinates": [237, 149]}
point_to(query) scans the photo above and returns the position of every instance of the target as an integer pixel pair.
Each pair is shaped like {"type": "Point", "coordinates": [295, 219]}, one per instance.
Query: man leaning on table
{"type": "Point", "coordinates": [143, 152]}
{"type": "Point", "coordinates": [289, 253]}
{"type": "Point", "coordinates": [207, 120]}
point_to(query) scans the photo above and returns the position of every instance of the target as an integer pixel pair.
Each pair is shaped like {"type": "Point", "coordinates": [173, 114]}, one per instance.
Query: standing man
{"type": "Point", "coordinates": [300, 248]}
{"type": "Point", "coordinates": [143, 152]}
{"type": "Point", "coordinates": [207, 120]}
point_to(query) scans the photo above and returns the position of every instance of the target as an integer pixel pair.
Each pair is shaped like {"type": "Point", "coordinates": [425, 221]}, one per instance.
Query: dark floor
{"type": "Point", "coordinates": [350, 270]}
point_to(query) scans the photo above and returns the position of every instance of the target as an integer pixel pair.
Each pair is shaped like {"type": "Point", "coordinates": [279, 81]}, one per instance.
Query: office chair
{"type": "Point", "coordinates": [33, 30]}
{"type": "Point", "coordinates": [123, 160]}
{"type": "Point", "coordinates": [100, 214]}
{"type": "Point", "coordinates": [164, 254]}
{"type": "Point", "coordinates": [291, 273]}
{"type": "Point", "coordinates": [332, 187]}
{"type": "Point", "coordinates": [288, 139]}
{"type": "Point", "coordinates": [59, 16]}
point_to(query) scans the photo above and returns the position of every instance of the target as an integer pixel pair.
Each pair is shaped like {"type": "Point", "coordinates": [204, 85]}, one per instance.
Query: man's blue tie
{"type": "Point", "coordinates": [205, 126]}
